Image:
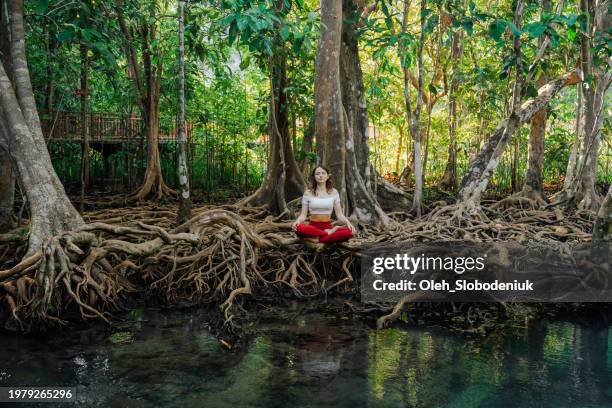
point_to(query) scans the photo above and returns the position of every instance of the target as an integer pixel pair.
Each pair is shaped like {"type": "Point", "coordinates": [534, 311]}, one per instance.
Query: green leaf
{"type": "Point", "coordinates": [65, 36]}
{"type": "Point", "coordinates": [571, 33]}
{"type": "Point", "coordinates": [496, 29]}
{"type": "Point", "coordinates": [513, 28]}
{"type": "Point", "coordinates": [432, 89]}
{"type": "Point", "coordinates": [536, 29]}
{"type": "Point", "coordinates": [41, 6]}
{"type": "Point", "coordinates": [233, 32]}
{"type": "Point", "coordinates": [431, 23]}
{"type": "Point", "coordinates": [468, 26]}
{"type": "Point", "coordinates": [284, 32]}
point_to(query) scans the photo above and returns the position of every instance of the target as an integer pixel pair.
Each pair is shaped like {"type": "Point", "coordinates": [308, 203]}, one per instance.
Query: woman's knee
{"type": "Point", "coordinates": [309, 231]}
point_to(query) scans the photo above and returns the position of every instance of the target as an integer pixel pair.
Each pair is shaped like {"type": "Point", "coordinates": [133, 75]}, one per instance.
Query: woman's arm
{"type": "Point", "coordinates": [340, 215]}
{"type": "Point", "coordinates": [303, 214]}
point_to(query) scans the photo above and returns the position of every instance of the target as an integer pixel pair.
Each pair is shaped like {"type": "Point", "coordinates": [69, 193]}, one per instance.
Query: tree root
{"type": "Point", "coordinates": [226, 254]}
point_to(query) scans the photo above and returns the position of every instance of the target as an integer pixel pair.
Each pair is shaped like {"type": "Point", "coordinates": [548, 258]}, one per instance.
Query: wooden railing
{"type": "Point", "coordinates": [103, 127]}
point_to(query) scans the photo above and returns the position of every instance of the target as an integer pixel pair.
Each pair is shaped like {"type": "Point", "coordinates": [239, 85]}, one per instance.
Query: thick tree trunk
{"type": "Point", "coordinates": [449, 179]}
{"type": "Point", "coordinates": [481, 169]}
{"type": "Point", "coordinates": [7, 191]}
{"type": "Point", "coordinates": [352, 87]}
{"type": "Point", "coordinates": [51, 211]}
{"type": "Point", "coordinates": [283, 180]}
{"type": "Point", "coordinates": [183, 172]}
{"type": "Point", "coordinates": [377, 192]}
{"type": "Point", "coordinates": [337, 145]}
{"type": "Point", "coordinates": [329, 117]}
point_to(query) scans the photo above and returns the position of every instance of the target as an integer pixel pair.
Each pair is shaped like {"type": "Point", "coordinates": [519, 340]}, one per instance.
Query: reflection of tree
{"type": "Point", "coordinates": [590, 363]}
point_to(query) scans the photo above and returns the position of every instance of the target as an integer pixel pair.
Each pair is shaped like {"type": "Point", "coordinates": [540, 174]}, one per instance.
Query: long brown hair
{"type": "Point", "coordinates": [313, 181]}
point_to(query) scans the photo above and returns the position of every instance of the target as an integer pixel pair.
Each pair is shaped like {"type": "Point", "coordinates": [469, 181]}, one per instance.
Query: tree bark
{"type": "Point", "coordinates": [7, 191]}
{"type": "Point", "coordinates": [51, 211]}
{"type": "Point", "coordinates": [602, 230]}
{"type": "Point", "coordinates": [183, 172]}
{"type": "Point", "coordinates": [307, 142]}
{"type": "Point", "coordinates": [571, 163]}
{"type": "Point", "coordinates": [533, 187]}
{"type": "Point", "coordinates": [329, 119]}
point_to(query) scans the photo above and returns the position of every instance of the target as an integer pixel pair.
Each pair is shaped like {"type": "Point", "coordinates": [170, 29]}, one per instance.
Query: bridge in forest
{"type": "Point", "coordinates": [104, 128]}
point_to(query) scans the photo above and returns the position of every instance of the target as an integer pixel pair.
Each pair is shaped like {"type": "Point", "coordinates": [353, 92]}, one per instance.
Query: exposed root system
{"type": "Point", "coordinates": [224, 255]}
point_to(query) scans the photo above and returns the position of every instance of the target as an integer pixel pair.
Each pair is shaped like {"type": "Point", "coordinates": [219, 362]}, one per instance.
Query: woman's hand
{"type": "Point", "coordinates": [295, 224]}
{"type": "Point", "coordinates": [350, 226]}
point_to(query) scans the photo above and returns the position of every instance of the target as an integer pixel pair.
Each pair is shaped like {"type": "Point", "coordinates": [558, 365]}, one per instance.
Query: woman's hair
{"type": "Point", "coordinates": [313, 181]}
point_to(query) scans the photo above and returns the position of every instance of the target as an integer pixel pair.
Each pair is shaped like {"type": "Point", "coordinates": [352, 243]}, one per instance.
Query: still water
{"type": "Point", "coordinates": [311, 360]}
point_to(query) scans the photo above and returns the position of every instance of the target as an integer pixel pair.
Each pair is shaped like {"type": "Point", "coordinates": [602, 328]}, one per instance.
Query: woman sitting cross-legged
{"type": "Point", "coordinates": [320, 200]}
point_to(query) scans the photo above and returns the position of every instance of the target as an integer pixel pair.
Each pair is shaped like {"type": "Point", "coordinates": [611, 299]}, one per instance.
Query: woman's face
{"type": "Point", "coordinates": [321, 175]}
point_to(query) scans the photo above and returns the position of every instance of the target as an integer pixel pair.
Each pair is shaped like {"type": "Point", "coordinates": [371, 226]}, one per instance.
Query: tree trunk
{"type": "Point", "coordinates": [400, 144]}
{"type": "Point", "coordinates": [584, 193]}
{"type": "Point", "coordinates": [339, 148]}
{"type": "Point", "coordinates": [533, 187]}
{"type": "Point", "coordinates": [482, 167]}
{"type": "Point", "coordinates": [329, 117]}
{"type": "Point", "coordinates": [183, 172]}
{"type": "Point", "coordinates": [307, 141]}
{"type": "Point", "coordinates": [147, 85]}
{"type": "Point", "coordinates": [602, 230]}
{"type": "Point", "coordinates": [51, 211]}
{"type": "Point", "coordinates": [283, 180]}
{"type": "Point", "coordinates": [7, 191]}
{"type": "Point", "coordinates": [415, 124]}
{"type": "Point", "coordinates": [449, 179]}
{"type": "Point", "coordinates": [85, 123]}
{"type": "Point", "coordinates": [571, 163]}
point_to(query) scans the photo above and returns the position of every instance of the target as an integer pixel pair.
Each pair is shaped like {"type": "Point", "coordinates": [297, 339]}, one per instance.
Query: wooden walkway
{"type": "Point", "coordinates": [104, 128]}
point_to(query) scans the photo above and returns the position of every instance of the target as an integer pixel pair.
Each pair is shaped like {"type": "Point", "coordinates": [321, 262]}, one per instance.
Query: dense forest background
{"type": "Point", "coordinates": [467, 59]}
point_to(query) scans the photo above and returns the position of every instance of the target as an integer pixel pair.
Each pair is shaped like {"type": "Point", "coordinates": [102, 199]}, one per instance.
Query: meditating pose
{"type": "Point", "coordinates": [320, 200]}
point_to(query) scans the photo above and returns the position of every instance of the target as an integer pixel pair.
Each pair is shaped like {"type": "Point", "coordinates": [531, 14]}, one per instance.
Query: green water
{"type": "Point", "coordinates": [171, 359]}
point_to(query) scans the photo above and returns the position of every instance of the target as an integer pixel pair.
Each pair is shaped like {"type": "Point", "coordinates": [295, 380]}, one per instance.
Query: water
{"type": "Point", "coordinates": [170, 359]}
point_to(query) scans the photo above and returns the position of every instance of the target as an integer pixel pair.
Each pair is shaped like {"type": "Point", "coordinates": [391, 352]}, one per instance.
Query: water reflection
{"type": "Point", "coordinates": [170, 359]}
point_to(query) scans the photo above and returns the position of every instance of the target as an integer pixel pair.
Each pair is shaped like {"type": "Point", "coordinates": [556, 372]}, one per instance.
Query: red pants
{"type": "Point", "coordinates": [316, 229]}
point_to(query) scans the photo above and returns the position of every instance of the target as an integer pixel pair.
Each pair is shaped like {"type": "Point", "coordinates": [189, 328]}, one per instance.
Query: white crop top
{"type": "Point", "coordinates": [320, 205]}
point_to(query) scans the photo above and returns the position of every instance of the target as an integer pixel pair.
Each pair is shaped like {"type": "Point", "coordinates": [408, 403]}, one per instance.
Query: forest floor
{"type": "Point", "coordinates": [233, 258]}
